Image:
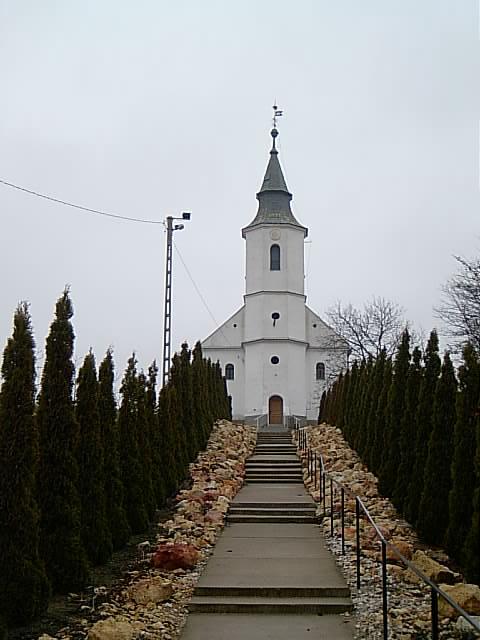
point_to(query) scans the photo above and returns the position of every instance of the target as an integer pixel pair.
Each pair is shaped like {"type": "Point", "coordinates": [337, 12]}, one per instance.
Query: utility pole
{"type": "Point", "coordinates": [167, 316]}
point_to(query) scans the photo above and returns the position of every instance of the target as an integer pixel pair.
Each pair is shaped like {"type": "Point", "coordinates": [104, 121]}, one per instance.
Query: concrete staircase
{"type": "Point", "coordinates": [271, 561]}
{"type": "Point", "coordinates": [275, 460]}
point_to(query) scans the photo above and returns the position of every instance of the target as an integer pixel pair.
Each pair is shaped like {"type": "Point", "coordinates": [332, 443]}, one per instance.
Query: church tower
{"type": "Point", "coordinates": [275, 352]}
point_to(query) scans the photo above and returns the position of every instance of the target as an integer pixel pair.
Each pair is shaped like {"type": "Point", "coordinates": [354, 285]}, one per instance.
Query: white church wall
{"type": "Point", "coordinates": [228, 334]}
{"type": "Point", "coordinates": [259, 322]}
{"type": "Point", "coordinates": [285, 379]}
{"type": "Point", "coordinates": [259, 277]}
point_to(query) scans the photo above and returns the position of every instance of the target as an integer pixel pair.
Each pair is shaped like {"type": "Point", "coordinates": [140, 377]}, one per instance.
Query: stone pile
{"type": "Point", "coordinates": [152, 603]}
{"type": "Point", "coordinates": [408, 596]}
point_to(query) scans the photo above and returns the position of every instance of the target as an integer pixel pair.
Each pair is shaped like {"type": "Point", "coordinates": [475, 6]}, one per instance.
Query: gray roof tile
{"type": "Point", "coordinates": [274, 197]}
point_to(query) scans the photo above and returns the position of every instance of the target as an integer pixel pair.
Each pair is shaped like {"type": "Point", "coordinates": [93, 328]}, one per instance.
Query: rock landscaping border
{"type": "Point", "coordinates": [408, 597]}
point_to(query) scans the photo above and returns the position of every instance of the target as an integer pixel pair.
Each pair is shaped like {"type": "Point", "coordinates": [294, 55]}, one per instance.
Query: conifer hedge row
{"type": "Point", "coordinates": [417, 427]}
{"type": "Point", "coordinates": [79, 475]}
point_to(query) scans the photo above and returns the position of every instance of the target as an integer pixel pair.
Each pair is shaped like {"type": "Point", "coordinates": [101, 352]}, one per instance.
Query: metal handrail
{"type": "Point", "coordinates": [315, 463]}
{"type": "Point", "coordinates": [262, 418]}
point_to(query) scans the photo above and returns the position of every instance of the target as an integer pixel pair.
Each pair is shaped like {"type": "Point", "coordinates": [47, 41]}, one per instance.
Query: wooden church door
{"type": "Point", "coordinates": [275, 410]}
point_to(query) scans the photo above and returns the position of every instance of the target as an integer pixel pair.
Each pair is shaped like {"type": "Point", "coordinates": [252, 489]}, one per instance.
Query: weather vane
{"type": "Point", "coordinates": [276, 114]}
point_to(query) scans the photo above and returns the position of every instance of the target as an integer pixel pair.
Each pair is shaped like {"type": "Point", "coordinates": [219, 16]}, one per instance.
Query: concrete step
{"type": "Point", "coordinates": [274, 592]}
{"type": "Point", "coordinates": [272, 478]}
{"type": "Point", "coordinates": [273, 469]}
{"type": "Point", "coordinates": [260, 511]}
{"type": "Point", "coordinates": [267, 461]}
{"type": "Point", "coordinates": [280, 519]}
{"type": "Point", "coordinates": [263, 626]}
{"type": "Point", "coordinates": [267, 477]}
{"type": "Point", "coordinates": [293, 462]}
{"type": "Point", "coordinates": [256, 604]}
{"type": "Point", "coordinates": [276, 447]}
{"type": "Point", "coordinates": [274, 505]}
{"type": "Point", "coordinates": [273, 452]}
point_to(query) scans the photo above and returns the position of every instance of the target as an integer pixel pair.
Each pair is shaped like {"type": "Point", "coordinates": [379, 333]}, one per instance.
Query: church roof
{"type": "Point", "coordinates": [274, 197]}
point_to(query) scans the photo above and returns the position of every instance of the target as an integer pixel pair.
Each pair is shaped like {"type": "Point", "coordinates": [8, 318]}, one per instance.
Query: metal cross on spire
{"type": "Point", "coordinates": [276, 114]}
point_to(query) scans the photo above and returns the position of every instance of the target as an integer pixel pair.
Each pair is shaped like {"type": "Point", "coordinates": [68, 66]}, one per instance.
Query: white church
{"type": "Point", "coordinates": [276, 353]}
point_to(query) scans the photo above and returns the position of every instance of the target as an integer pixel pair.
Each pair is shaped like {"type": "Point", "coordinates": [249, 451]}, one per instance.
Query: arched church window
{"type": "Point", "coordinates": [320, 371]}
{"type": "Point", "coordinates": [274, 257]}
{"type": "Point", "coordinates": [229, 372]}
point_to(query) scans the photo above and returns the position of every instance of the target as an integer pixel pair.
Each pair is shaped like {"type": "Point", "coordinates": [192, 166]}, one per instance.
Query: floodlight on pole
{"type": "Point", "coordinates": [167, 316]}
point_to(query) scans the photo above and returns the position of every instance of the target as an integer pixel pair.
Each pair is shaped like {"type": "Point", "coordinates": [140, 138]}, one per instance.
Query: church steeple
{"type": "Point", "coordinates": [274, 197]}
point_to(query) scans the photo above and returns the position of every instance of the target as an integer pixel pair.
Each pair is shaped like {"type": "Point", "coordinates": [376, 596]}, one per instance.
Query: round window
{"type": "Point", "coordinates": [274, 359]}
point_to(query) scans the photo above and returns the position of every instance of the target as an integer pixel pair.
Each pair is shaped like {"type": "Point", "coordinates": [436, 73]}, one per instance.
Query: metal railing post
{"type": "Point", "coordinates": [324, 493]}
{"type": "Point", "coordinates": [435, 634]}
{"type": "Point", "coordinates": [343, 521]}
{"type": "Point", "coordinates": [384, 590]}
{"type": "Point", "coordinates": [357, 538]}
{"type": "Point", "coordinates": [331, 507]}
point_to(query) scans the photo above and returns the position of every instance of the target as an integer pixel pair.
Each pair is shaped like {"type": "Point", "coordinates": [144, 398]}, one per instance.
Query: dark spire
{"type": "Point", "coordinates": [274, 197]}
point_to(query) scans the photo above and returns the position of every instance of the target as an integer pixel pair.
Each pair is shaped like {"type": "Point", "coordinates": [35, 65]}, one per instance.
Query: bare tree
{"type": "Point", "coordinates": [379, 324]}
{"type": "Point", "coordinates": [460, 307]}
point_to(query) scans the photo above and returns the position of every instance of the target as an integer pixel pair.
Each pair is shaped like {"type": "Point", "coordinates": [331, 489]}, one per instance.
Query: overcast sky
{"type": "Point", "coordinates": [151, 108]}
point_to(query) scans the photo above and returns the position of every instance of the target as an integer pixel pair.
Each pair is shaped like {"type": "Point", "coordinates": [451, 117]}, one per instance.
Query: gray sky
{"type": "Point", "coordinates": [150, 108]}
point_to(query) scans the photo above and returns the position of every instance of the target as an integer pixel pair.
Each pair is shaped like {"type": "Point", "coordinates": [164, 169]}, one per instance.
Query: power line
{"type": "Point", "coordinates": [200, 293]}
{"type": "Point", "coordinates": [78, 206]}
{"type": "Point", "coordinates": [118, 217]}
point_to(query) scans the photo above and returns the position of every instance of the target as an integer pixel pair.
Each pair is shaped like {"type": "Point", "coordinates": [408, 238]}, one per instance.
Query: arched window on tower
{"type": "Point", "coordinates": [229, 372]}
{"type": "Point", "coordinates": [320, 371]}
{"type": "Point", "coordinates": [274, 257]}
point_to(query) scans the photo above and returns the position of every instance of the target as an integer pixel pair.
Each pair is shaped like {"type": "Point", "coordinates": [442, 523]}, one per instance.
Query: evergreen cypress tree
{"type": "Point", "coordinates": [181, 379]}
{"type": "Point", "coordinates": [332, 403]}
{"type": "Point", "coordinates": [143, 428]}
{"type": "Point", "coordinates": [364, 409]}
{"type": "Point", "coordinates": [395, 411]}
{"type": "Point", "coordinates": [130, 463]}
{"type": "Point", "coordinates": [328, 401]}
{"type": "Point", "coordinates": [349, 412]}
{"type": "Point", "coordinates": [24, 588]}
{"type": "Point", "coordinates": [464, 445]}
{"type": "Point", "coordinates": [423, 421]}
{"type": "Point", "coordinates": [470, 551]}
{"type": "Point", "coordinates": [209, 377]}
{"type": "Point", "coordinates": [57, 480]}
{"type": "Point", "coordinates": [408, 429]}
{"type": "Point", "coordinates": [171, 474]}
{"type": "Point", "coordinates": [345, 391]}
{"type": "Point", "coordinates": [381, 417]}
{"type": "Point", "coordinates": [339, 399]}
{"type": "Point", "coordinates": [378, 373]}
{"type": "Point", "coordinates": [114, 492]}
{"type": "Point", "coordinates": [357, 392]}
{"type": "Point", "coordinates": [223, 410]}
{"type": "Point", "coordinates": [158, 483]}
{"type": "Point", "coordinates": [321, 408]}
{"type": "Point", "coordinates": [96, 536]}
{"type": "Point", "coordinates": [200, 390]}
{"type": "Point", "coordinates": [432, 519]}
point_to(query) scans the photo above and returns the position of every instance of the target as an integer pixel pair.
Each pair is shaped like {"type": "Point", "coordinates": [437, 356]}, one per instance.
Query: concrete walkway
{"type": "Point", "coordinates": [270, 575]}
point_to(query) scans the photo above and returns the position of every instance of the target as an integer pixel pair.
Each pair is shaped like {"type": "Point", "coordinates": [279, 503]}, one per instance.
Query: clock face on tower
{"type": "Point", "coordinates": [275, 234]}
